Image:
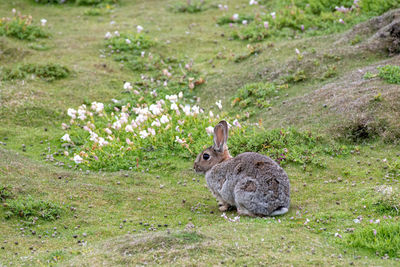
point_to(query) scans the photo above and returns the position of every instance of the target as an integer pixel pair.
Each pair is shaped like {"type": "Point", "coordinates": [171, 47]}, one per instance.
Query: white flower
{"type": "Point", "coordinates": [112, 22]}
{"type": "Point", "coordinates": [143, 134]}
{"type": "Point", "coordinates": [82, 112]}
{"type": "Point", "coordinates": [156, 123]}
{"type": "Point", "coordinates": [164, 119]}
{"type": "Point", "coordinates": [196, 109]}
{"type": "Point", "coordinates": [180, 95]}
{"type": "Point", "coordinates": [211, 114]}
{"type": "Point", "coordinates": [210, 130]}
{"type": "Point", "coordinates": [124, 118]}
{"type": "Point", "coordinates": [102, 142]}
{"type": "Point", "coordinates": [128, 128]}
{"type": "Point", "coordinates": [273, 15]}
{"type": "Point", "coordinates": [142, 53]}
{"type": "Point", "coordinates": [116, 125]}
{"type": "Point", "coordinates": [108, 35]}
{"type": "Point", "coordinates": [128, 41]}
{"type": "Point", "coordinates": [235, 17]}
{"type": "Point", "coordinates": [127, 86]}
{"type": "Point", "coordinates": [66, 138]}
{"type": "Point", "coordinates": [341, 21]}
{"type": "Point", "coordinates": [139, 28]}
{"type": "Point", "coordinates": [93, 137]}
{"type": "Point", "coordinates": [253, 2]}
{"type": "Point", "coordinates": [151, 131]}
{"type": "Point", "coordinates": [172, 98]}
{"type": "Point", "coordinates": [140, 119]}
{"type": "Point", "coordinates": [174, 106]}
{"type": "Point", "coordinates": [156, 109]}
{"type": "Point", "coordinates": [166, 73]}
{"type": "Point", "coordinates": [98, 107]}
{"type": "Point", "coordinates": [86, 128]}
{"type": "Point", "coordinates": [297, 51]}
{"type": "Point", "coordinates": [244, 22]}
{"type": "Point", "coordinates": [219, 104]}
{"type": "Point", "coordinates": [134, 124]}
{"type": "Point", "coordinates": [186, 110]}
{"type": "Point", "coordinates": [14, 11]}
{"type": "Point", "coordinates": [128, 141]}
{"type": "Point", "coordinates": [266, 24]}
{"type": "Point", "coordinates": [116, 33]}
{"type": "Point", "coordinates": [236, 123]}
{"type": "Point", "coordinates": [78, 159]}
{"type": "Point", "coordinates": [178, 140]}
{"type": "Point", "coordinates": [108, 131]}
{"type": "Point", "coordinates": [43, 22]}
{"type": "Point", "coordinates": [72, 113]}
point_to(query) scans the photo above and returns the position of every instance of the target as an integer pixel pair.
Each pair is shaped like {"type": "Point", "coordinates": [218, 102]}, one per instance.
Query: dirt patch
{"type": "Point", "coordinates": [380, 33]}
{"type": "Point", "coordinates": [133, 244]}
{"type": "Point", "coordinates": [353, 106]}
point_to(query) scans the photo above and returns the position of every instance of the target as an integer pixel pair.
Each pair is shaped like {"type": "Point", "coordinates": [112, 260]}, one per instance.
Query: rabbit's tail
{"type": "Point", "coordinates": [279, 211]}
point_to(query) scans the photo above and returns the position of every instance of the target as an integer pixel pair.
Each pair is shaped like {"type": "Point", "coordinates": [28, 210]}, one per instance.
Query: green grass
{"type": "Point", "coordinates": [156, 210]}
{"type": "Point", "coordinates": [21, 27]}
{"type": "Point", "coordinates": [47, 72]}
{"type": "Point", "coordinates": [31, 209]}
{"type": "Point", "coordinates": [382, 239]}
{"type": "Point", "coordinates": [390, 74]}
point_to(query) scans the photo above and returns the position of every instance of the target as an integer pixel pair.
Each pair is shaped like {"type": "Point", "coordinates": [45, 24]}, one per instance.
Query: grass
{"type": "Point", "coordinates": [390, 73]}
{"type": "Point", "coordinates": [32, 209]}
{"type": "Point", "coordinates": [382, 239]}
{"type": "Point", "coordinates": [47, 72]}
{"type": "Point", "coordinates": [162, 212]}
{"type": "Point", "coordinates": [21, 27]}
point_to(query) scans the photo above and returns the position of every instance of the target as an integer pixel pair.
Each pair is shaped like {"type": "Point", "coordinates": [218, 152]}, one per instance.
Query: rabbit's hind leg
{"type": "Point", "coordinates": [243, 211]}
{"type": "Point", "coordinates": [245, 192]}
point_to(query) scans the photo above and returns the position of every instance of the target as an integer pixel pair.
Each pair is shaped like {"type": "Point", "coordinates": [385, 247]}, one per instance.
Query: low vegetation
{"type": "Point", "coordinates": [390, 73]}
{"type": "Point", "coordinates": [32, 209]}
{"type": "Point", "coordinates": [382, 239]}
{"type": "Point", "coordinates": [189, 6]}
{"type": "Point", "coordinates": [97, 168]}
{"type": "Point", "coordinates": [47, 72]}
{"type": "Point", "coordinates": [21, 27]}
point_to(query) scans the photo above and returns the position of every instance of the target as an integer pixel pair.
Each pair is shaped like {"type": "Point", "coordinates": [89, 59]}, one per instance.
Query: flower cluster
{"type": "Point", "coordinates": [96, 131]}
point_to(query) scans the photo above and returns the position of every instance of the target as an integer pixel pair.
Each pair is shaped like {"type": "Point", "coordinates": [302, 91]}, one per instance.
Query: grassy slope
{"type": "Point", "coordinates": [105, 200]}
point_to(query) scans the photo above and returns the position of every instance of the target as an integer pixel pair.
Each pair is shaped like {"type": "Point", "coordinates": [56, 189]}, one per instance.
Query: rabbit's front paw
{"type": "Point", "coordinates": [223, 207]}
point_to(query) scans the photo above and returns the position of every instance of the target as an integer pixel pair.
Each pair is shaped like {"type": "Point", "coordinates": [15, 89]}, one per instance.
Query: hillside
{"type": "Point", "coordinates": [104, 106]}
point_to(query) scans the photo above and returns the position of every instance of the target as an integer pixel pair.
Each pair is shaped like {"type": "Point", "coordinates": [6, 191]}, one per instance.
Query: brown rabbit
{"type": "Point", "coordinates": [253, 183]}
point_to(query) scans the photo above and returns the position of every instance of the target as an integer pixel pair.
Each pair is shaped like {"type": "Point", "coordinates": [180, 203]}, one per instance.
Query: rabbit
{"type": "Point", "coordinates": [253, 183]}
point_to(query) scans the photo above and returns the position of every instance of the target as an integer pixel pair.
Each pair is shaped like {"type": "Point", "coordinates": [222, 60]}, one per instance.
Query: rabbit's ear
{"type": "Point", "coordinates": [220, 136]}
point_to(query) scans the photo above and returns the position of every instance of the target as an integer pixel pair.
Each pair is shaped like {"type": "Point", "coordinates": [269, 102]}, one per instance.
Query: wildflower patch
{"type": "Point", "coordinates": [21, 27]}
{"type": "Point", "coordinates": [292, 18]}
{"type": "Point", "coordinates": [117, 137]}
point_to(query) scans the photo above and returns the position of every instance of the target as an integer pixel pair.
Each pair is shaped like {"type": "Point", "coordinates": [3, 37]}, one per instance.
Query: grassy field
{"type": "Point", "coordinates": [312, 89]}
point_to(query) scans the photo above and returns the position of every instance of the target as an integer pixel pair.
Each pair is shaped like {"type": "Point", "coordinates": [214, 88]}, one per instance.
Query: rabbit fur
{"type": "Point", "coordinates": [253, 183]}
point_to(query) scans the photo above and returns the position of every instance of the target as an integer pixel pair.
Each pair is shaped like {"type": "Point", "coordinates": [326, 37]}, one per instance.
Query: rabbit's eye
{"type": "Point", "coordinates": [206, 156]}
